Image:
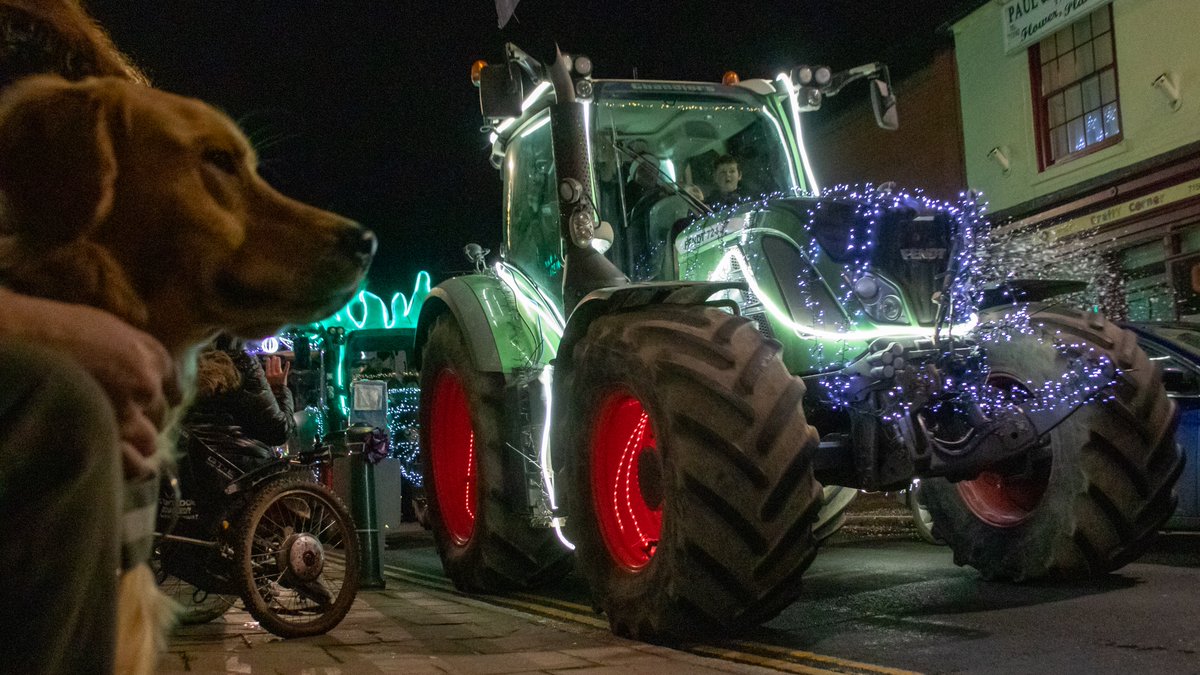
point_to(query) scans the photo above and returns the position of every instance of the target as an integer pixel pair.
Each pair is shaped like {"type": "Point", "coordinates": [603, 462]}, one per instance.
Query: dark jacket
{"type": "Point", "coordinates": [262, 414]}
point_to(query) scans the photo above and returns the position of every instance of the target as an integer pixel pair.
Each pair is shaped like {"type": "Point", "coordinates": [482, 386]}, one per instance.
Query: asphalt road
{"type": "Point", "coordinates": [876, 599]}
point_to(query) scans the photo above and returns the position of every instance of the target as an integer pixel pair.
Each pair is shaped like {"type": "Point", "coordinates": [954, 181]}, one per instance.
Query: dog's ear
{"type": "Point", "coordinates": [57, 165]}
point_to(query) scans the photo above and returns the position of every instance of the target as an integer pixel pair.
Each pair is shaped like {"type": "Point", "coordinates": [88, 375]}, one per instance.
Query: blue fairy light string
{"type": "Point", "coordinates": [980, 260]}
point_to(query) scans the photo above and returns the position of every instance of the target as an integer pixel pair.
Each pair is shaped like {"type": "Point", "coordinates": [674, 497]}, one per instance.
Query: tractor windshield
{"type": "Point", "coordinates": [661, 158]}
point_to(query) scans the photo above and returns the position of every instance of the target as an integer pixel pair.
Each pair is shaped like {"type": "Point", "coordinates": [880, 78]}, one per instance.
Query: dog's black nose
{"type": "Point", "coordinates": [356, 241]}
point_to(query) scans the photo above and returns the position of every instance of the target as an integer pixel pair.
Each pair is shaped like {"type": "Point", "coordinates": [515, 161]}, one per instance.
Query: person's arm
{"type": "Point", "coordinates": [133, 368]}
{"type": "Point", "coordinates": [277, 371]}
{"type": "Point", "coordinates": [260, 414]}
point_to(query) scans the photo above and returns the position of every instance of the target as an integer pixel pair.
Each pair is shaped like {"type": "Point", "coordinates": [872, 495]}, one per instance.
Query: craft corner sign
{"type": "Point", "coordinates": [1027, 21]}
{"type": "Point", "coordinates": [1094, 222]}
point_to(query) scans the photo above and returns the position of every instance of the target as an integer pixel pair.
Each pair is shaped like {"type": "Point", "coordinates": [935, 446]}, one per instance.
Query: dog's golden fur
{"type": "Point", "coordinates": [59, 37]}
{"type": "Point", "coordinates": [147, 205]}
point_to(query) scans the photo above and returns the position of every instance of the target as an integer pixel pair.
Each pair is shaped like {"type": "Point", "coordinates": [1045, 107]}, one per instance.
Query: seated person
{"type": "Point", "coordinates": [252, 404]}
{"type": "Point", "coordinates": [727, 178]}
{"type": "Point", "coordinates": [645, 186]}
{"type": "Point", "coordinates": [650, 188]}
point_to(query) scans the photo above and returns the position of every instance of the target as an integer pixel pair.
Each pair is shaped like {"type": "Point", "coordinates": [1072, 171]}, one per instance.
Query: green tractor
{"type": "Point", "coordinates": [662, 385]}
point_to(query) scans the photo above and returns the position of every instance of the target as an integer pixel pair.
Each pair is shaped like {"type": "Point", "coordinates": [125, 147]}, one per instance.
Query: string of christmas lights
{"type": "Point", "coordinates": [976, 261]}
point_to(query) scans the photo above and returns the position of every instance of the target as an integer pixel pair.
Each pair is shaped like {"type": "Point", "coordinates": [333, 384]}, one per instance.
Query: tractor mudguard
{"type": "Point", "coordinates": [506, 325]}
{"type": "Point", "coordinates": [609, 300]}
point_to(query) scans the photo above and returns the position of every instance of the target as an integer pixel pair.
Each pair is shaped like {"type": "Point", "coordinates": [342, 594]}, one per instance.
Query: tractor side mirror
{"type": "Point", "coordinates": [500, 91]}
{"type": "Point", "coordinates": [883, 102]}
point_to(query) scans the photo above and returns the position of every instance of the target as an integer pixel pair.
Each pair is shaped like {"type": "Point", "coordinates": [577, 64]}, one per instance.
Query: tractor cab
{"type": "Point", "coordinates": [652, 157]}
{"type": "Point", "coordinates": [655, 157]}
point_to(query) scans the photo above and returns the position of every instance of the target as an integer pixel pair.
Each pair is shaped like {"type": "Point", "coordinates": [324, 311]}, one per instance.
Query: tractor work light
{"type": "Point", "coordinates": [583, 66]}
{"type": "Point", "coordinates": [582, 227]}
{"type": "Point", "coordinates": [812, 75]}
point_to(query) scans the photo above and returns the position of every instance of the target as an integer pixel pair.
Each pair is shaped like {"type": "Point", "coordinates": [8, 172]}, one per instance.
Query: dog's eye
{"type": "Point", "coordinates": [222, 159]}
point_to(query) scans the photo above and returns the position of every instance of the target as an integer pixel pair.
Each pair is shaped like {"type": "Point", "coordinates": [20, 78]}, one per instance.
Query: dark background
{"type": "Point", "coordinates": [365, 107]}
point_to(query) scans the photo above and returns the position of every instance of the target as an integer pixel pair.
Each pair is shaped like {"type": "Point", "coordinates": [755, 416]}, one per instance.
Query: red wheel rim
{"type": "Point", "coordinates": [452, 448]}
{"type": "Point", "coordinates": [1000, 500]}
{"type": "Point", "coordinates": [627, 483]}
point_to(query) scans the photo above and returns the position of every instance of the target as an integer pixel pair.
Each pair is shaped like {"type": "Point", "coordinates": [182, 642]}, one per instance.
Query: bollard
{"type": "Point", "coordinates": [362, 498]}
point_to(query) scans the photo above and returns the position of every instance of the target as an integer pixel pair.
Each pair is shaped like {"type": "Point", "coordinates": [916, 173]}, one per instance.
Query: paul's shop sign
{"type": "Point", "coordinates": [1027, 21]}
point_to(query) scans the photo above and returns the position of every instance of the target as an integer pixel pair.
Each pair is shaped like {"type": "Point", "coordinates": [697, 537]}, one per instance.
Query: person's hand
{"type": "Point", "coordinates": [277, 371]}
{"type": "Point", "coordinates": [134, 369]}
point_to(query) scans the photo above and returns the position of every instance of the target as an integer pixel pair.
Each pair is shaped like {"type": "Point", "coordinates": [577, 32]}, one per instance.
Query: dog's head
{"type": "Point", "coordinates": [148, 205]}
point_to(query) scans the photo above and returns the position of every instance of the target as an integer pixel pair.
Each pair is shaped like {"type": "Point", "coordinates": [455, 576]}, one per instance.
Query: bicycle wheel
{"type": "Point", "coordinates": [296, 558]}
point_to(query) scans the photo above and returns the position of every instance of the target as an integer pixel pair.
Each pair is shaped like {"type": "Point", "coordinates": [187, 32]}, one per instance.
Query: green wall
{"type": "Point", "coordinates": [1152, 36]}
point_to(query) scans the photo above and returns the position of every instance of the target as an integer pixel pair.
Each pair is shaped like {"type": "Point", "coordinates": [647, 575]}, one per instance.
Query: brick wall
{"type": "Point", "coordinates": [926, 152]}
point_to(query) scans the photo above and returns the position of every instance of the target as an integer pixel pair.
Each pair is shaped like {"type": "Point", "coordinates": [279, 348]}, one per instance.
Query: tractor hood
{"type": "Point", "coordinates": [836, 270]}
{"type": "Point", "coordinates": [904, 244]}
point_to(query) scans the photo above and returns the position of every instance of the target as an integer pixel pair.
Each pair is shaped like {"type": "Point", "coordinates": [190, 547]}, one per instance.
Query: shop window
{"type": "Point", "coordinates": [1144, 276]}
{"type": "Point", "coordinates": [1074, 75]}
{"type": "Point", "coordinates": [1189, 239]}
{"type": "Point", "coordinates": [1185, 273]}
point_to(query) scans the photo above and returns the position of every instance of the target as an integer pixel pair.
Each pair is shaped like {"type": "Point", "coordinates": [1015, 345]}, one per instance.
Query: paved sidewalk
{"type": "Point", "coordinates": [410, 629]}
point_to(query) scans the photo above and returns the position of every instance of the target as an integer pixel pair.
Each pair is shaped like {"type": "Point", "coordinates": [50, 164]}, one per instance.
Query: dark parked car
{"type": "Point", "coordinates": [1176, 347]}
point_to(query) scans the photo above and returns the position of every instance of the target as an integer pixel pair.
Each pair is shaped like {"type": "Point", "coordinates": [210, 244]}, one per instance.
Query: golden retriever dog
{"type": "Point", "coordinates": [147, 205]}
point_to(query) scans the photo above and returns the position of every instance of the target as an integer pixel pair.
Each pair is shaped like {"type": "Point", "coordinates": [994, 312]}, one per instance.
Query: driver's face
{"type": "Point", "coordinates": [727, 176]}
{"type": "Point", "coordinates": [647, 173]}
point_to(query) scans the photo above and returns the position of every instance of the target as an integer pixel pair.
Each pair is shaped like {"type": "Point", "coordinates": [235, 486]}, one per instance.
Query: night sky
{"type": "Point", "coordinates": [365, 107]}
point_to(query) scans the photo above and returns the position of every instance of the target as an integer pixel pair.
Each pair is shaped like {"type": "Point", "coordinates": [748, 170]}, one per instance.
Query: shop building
{"type": "Point", "coordinates": [1081, 126]}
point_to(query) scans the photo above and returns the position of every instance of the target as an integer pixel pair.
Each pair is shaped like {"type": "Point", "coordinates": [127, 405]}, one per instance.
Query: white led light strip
{"type": "Point", "coordinates": [722, 273]}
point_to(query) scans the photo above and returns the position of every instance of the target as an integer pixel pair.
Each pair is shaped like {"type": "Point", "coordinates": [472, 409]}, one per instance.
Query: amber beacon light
{"type": "Point", "coordinates": [477, 71]}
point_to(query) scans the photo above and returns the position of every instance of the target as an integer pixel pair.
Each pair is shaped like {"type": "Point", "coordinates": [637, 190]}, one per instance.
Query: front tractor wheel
{"type": "Point", "coordinates": [1095, 499]}
{"type": "Point", "coordinates": [690, 485]}
{"type": "Point", "coordinates": [485, 544]}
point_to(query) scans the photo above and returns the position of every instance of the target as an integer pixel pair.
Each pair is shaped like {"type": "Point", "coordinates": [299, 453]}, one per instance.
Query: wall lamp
{"type": "Point", "coordinates": [1169, 87]}
{"type": "Point", "coordinates": [1000, 157]}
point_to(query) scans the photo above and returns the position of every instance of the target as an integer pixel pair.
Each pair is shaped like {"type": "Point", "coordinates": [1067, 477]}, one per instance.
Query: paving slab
{"type": "Point", "coordinates": [410, 629]}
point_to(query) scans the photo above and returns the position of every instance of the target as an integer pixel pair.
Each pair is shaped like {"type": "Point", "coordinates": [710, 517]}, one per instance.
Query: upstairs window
{"type": "Point", "coordinates": [1074, 74]}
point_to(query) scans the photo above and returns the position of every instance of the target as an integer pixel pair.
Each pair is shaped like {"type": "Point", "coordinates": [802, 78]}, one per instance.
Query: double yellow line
{"type": "Point", "coordinates": [748, 652]}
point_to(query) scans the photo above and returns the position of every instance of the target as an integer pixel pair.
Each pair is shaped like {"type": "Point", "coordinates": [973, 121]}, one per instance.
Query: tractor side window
{"type": "Point", "coordinates": [531, 207]}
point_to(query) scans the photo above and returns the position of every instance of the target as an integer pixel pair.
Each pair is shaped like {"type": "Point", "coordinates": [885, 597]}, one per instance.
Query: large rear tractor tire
{"type": "Point", "coordinates": [1107, 485]}
{"type": "Point", "coordinates": [690, 484]}
{"type": "Point", "coordinates": [485, 544]}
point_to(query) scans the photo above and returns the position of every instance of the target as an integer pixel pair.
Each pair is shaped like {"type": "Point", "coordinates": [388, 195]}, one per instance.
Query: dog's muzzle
{"type": "Point", "coordinates": [358, 243]}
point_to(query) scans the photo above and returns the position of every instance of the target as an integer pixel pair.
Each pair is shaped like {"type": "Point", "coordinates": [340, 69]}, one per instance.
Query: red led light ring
{"type": "Point", "coordinates": [452, 449]}
{"type": "Point", "coordinates": [623, 440]}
